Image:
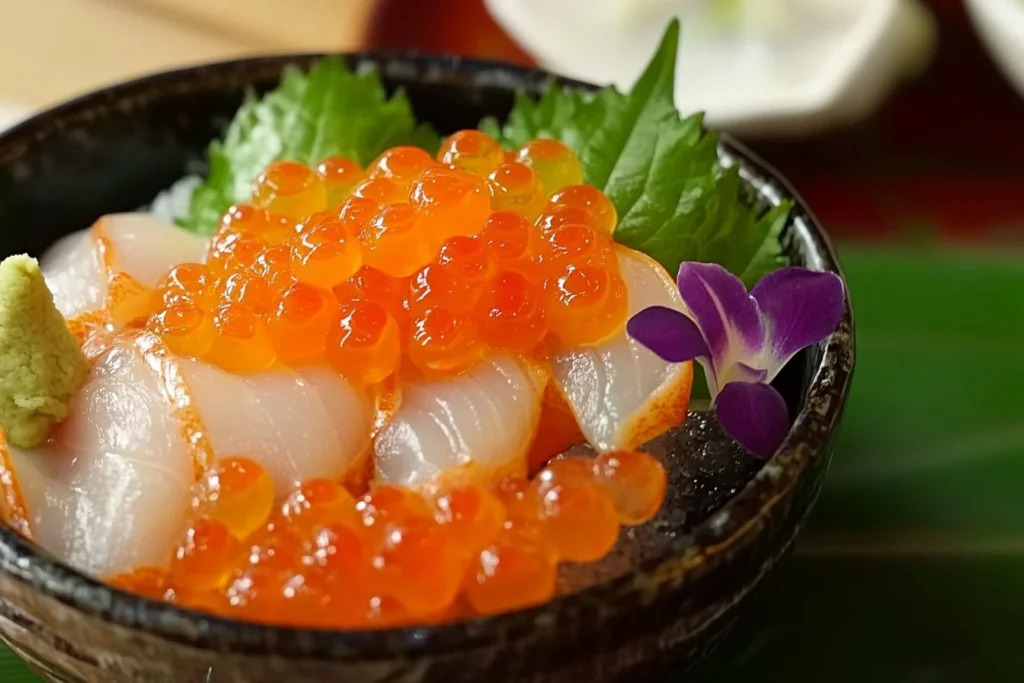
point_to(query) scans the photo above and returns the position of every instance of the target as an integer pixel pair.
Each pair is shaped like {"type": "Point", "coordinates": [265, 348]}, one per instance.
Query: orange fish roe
{"type": "Point", "coordinates": [515, 243]}
{"type": "Point", "coordinates": [515, 187]}
{"type": "Point", "coordinates": [395, 241]}
{"type": "Point", "coordinates": [414, 265]}
{"type": "Point", "coordinates": [417, 566]}
{"type": "Point", "coordinates": [241, 342]}
{"type": "Point", "coordinates": [149, 582]}
{"type": "Point", "coordinates": [319, 502]}
{"type": "Point", "coordinates": [513, 573]}
{"type": "Point", "coordinates": [555, 164]}
{"type": "Point", "coordinates": [578, 244]}
{"type": "Point", "coordinates": [387, 505]}
{"type": "Point", "coordinates": [370, 284]}
{"type": "Point", "coordinates": [401, 165]}
{"type": "Point", "coordinates": [473, 151]}
{"type": "Point", "coordinates": [636, 482]}
{"type": "Point", "coordinates": [586, 298]}
{"type": "Point", "coordinates": [298, 322]}
{"type": "Point", "coordinates": [455, 278]}
{"type": "Point", "coordinates": [233, 251]}
{"type": "Point", "coordinates": [253, 221]}
{"type": "Point", "coordinates": [325, 255]}
{"type": "Point", "coordinates": [511, 313]}
{"type": "Point", "coordinates": [290, 189]}
{"type": "Point", "coordinates": [380, 189]}
{"type": "Point", "coordinates": [189, 281]}
{"type": "Point", "coordinates": [590, 198]}
{"type": "Point", "coordinates": [273, 264]}
{"type": "Point", "coordinates": [434, 243]}
{"type": "Point", "coordinates": [339, 176]}
{"type": "Point", "coordinates": [395, 556]}
{"type": "Point", "coordinates": [474, 516]}
{"type": "Point", "coordinates": [186, 328]}
{"type": "Point", "coordinates": [363, 342]}
{"type": "Point", "coordinates": [207, 556]}
{"type": "Point", "coordinates": [586, 304]}
{"type": "Point", "coordinates": [245, 288]}
{"type": "Point", "coordinates": [579, 520]}
{"type": "Point", "coordinates": [452, 202]}
{"type": "Point", "coordinates": [442, 343]}
{"type": "Point", "coordinates": [356, 213]}
{"type": "Point", "coordinates": [238, 493]}
{"type": "Point", "coordinates": [556, 217]}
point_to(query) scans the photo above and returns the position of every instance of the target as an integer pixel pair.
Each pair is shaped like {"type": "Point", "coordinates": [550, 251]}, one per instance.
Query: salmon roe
{"type": "Point", "coordinates": [290, 189]}
{"type": "Point", "coordinates": [322, 558]}
{"type": "Point", "coordinates": [377, 269]}
{"type": "Point", "coordinates": [555, 164]}
{"type": "Point", "coordinates": [339, 175]}
{"type": "Point", "coordinates": [413, 264]}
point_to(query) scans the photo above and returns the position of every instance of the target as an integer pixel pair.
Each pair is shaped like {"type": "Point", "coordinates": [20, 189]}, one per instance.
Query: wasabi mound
{"type": "Point", "coordinates": [41, 363]}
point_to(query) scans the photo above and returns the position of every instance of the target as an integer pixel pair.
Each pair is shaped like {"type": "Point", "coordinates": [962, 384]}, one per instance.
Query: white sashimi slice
{"type": "Point", "coordinates": [298, 424]}
{"type": "Point", "coordinates": [475, 427]}
{"type": "Point", "coordinates": [145, 248]}
{"type": "Point", "coordinates": [621, 393]}
{"type": "Point", "coordinates": [136, 244]}
{"type": "Point", "coordinates": [110, 490]}
{"type": "Point", "coordinates": [74, 272]}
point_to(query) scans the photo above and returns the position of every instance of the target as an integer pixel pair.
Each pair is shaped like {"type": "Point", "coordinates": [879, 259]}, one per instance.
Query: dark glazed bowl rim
{"type": "Point", "coordinates": [706, 547]}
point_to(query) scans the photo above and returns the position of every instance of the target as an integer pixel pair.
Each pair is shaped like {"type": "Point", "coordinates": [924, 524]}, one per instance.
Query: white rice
{"type": "Point", "coordinates": [173, 202]}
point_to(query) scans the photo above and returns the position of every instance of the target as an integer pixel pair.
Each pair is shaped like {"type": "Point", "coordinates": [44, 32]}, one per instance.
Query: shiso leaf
{"type": "Point", "coordinates": [675, 201]}
{"type": "Point", "coordinates": [329, 110]}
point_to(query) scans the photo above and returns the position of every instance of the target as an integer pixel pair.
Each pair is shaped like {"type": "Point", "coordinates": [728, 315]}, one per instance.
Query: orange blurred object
{"type": "Point", "coordinates": [461, 27]}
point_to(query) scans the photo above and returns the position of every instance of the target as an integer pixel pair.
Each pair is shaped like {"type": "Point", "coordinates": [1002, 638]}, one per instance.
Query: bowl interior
{"type": "Point", "coordinates": [115, 150]}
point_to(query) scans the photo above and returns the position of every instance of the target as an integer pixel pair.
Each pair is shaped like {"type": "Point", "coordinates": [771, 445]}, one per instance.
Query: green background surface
{"type": "Point", "coordinates": [912, 567]}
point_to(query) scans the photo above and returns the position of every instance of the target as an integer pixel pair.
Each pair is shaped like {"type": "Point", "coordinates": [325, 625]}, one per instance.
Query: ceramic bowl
{"type": "Point", "coordinates": [657, 604]}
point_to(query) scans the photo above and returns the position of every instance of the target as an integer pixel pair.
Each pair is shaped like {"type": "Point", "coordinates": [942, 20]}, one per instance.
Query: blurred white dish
{"type": "Point", "coordinates": [10, 114]}
{"type": "Point", "coordinates": [754, 66]}
{"type": "Point", "coordinates": [1001, 26]}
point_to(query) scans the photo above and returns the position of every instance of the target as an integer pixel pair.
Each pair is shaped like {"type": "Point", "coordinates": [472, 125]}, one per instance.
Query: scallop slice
{"type": "Point", "coordinates": [77, 268]}
{"type": "Point", "coordinates": [298, 424]}
{"type": "Point", "coordinates": [110, 490]}
{"type": "Point", "coordinates": [476, 427]}
{"type": "Point", "coordinates": [621, 393]}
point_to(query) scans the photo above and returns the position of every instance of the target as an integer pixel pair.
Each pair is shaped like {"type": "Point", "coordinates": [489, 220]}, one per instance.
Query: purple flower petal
{"type": "Point", "coordinates": [754, 415]}
{"type": "Point", "coordinates": [741, 372]}
{"type": "Point", "coordinates": [724, 312]}
{"type": "Point", "coordinates": [668, 333]}
{"type": "Point", "coordinates": [800, 307]}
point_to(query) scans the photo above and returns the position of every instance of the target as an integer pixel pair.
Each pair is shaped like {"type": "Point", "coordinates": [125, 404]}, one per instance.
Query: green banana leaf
{"type": "Point", "coordinates": [911, 569]}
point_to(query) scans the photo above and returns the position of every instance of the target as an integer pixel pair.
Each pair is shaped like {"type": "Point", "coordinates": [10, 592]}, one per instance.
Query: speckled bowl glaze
{"type": "Point", "coordinates": [657, 604]}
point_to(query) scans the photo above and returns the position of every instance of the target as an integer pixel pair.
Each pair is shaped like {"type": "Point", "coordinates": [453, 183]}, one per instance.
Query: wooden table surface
{"type": "Point", "coordinates": [51, 50]}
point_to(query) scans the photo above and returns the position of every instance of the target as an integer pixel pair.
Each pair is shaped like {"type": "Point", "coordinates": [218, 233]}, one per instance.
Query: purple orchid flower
{"type": "Point", "coordinates": [743, 340]}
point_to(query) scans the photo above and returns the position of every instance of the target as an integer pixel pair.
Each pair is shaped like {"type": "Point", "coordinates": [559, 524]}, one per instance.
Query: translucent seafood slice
{"type": "Point", "coordinates": [110, 490]}
{"type": "Point", "coordinates": [299, 424]}
{"type": "Point", "coordinates": [136, 245]}
{"type": "Point", "coordinates": [476, 427]}
{"type": "Point", "coordinates": [622, 394]}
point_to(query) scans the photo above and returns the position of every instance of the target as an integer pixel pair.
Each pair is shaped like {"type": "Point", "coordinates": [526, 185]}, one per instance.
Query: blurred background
{"type": "Point", "coordinates": [900, 124]}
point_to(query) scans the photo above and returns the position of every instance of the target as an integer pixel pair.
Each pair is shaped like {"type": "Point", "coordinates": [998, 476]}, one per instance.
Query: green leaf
{"type": "Point", "coordinates": [13, 670]}
{"type": "Point", "coordinates": [661, 171]}
{"type": "Point", "coordinates": [328, 111]}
